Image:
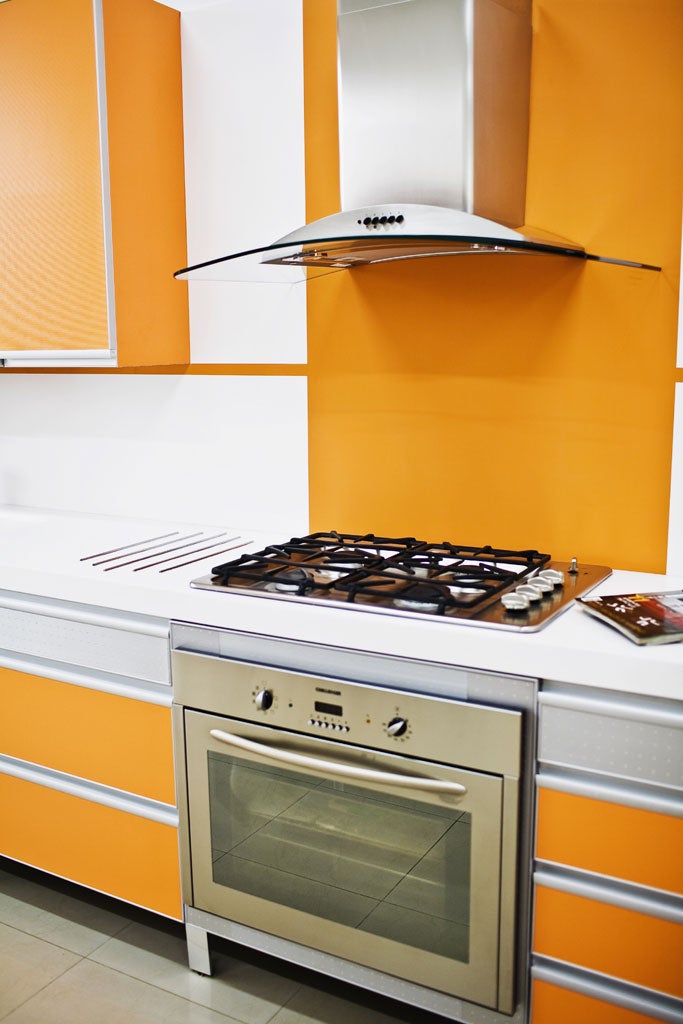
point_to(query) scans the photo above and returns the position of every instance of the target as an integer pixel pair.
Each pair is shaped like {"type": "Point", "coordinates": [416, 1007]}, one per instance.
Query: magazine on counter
{"type": "Point", "coordinates": [643, 618]}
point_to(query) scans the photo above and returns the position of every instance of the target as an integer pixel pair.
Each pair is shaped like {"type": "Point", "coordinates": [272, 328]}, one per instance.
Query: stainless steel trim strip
{"type": "Point", "coordinates": [607, 989]}
{"type": "Point", "coordinates": [148, 546]}
{"type": "Point", "coordinates": [653, 902]}
{"type": "Point", "coordinates": [127, 547]}
{"type": "Point", "coordinates": [640, 795]}
{"type": "Point", "coordinates": [147, 625]}
{"type": "Point", "coordinates": [513, 886]}
{"type": "Point", "coordinates": [67, 358]}
{"type": "Point", "coordinates": [191, 539]}
{"type": "Point", "coordinates": [90, 679]}
{"type": "Point", "coordinates": [194, 550]}
{"type": "Point", "coordinates": [179, 757]}
{"type": "Point", "coordinates": [94, 792]}
{"type": "Point", "coordinates": [202, 558]}
{"type": "Point", "coordinates": [440, 680]}
{"type": "Point", "coordinates": [107, 229]}
{"type": "Point", "coordinates": [641, 710]}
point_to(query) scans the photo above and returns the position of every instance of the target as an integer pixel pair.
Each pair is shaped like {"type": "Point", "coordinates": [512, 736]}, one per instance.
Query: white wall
{"type": "Point", "coordinates": [203, 449]}
{"type": "Point", "coordinates": [679, 360]}
{"type": "Point", "coordinates": [244, 173]}
{"type": "Point", "coordinates": [675, 550]}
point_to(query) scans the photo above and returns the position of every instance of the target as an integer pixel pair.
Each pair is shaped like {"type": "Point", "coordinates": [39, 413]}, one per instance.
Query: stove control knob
{"type": "Point", "coordinates": [543, 583]}
{"type": "Point", "coordinates": [397, 727]}
{"type": "Point", "coordinates": [264, 700]}
{"type": "Point", "coordinates": [556, 576]}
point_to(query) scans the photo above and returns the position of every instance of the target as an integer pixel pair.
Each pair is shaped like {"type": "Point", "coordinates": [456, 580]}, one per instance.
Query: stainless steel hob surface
{"type": "Point", "coordinates": [500, 588]}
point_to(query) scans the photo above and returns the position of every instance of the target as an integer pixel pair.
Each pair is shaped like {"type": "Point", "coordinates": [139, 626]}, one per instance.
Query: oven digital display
{"type": "Point", "coordinates": [328, 709]}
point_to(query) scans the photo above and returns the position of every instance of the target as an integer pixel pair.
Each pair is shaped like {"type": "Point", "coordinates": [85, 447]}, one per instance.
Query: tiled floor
{"type": "Point", "coordinates": [70, 957]}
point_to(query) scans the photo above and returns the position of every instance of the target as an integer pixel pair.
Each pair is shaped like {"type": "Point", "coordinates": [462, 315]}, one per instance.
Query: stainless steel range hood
{"type": "Point", "coordinates": [433, 130]}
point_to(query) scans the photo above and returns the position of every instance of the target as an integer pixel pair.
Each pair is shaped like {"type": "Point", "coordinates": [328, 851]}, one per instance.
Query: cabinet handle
{"type": "Point", "coordinates": [335, 768]}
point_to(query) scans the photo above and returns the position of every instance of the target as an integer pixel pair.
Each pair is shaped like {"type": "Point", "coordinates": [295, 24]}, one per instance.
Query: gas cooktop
{"type": "Point", "coordinates": [482, 586]}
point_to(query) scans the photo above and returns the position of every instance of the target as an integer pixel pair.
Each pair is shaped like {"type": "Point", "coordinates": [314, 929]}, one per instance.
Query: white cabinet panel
{"type": "Point", "coordinates": [244, 172]}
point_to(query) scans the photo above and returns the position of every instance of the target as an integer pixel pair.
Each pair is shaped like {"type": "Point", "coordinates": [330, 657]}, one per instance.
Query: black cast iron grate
{"type": "Point", "coordinates": [367, 569]}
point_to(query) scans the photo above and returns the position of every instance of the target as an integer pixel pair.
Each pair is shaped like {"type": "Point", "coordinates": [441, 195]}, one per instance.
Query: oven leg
{"type": "Point", "coordinates": [198, 949]}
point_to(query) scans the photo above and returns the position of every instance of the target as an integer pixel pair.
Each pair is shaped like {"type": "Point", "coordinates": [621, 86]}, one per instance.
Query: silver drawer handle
{"type": "Point", "coordinates": [334, 768]}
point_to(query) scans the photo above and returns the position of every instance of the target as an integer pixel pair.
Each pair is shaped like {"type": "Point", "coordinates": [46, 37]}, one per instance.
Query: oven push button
{"type": "Point", "coordinates": [334, 726]}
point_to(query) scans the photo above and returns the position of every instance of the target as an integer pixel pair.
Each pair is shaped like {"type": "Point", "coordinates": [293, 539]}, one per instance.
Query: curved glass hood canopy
{"type": "Point", "coordinates": [382, 234]}
{"type": "Point", "coordinates": [433, 133]}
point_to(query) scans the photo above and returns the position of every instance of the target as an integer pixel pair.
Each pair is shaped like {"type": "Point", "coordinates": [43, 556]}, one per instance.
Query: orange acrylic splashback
{"type": "Point", "coordinates": [320, 108]}
{"type": "Point", "coordinates": [51, 220]}
{"type": "Point", "coordinates": [524, 400]}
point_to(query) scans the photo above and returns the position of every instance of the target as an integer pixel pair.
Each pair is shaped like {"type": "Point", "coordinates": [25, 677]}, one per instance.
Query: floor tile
{"type": "Point", "coordinates": [320, 1005]}
{"type": "Point", "coordinates": [241, 990]}
{"type": "Point", "coordinates": [27, 965]}
{"type": "Point", "coordinates": [91, 993]}
{"type": "Point", "coordinates": [63, 918]}
{"type": "Point", "coordinates": [141, 973]}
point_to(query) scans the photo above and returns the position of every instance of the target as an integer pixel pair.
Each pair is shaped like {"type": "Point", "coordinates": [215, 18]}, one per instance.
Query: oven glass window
{"type": "Point", "coordinates": [392, 866]}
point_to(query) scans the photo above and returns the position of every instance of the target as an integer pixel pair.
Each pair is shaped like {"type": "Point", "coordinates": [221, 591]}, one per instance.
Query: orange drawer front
{"type": "Point", "coordinates": [554, 1005]}
{"type": "Point", "coordinates": [610, 839]}
{"type": "Point", "coordinates": [97, 736]}
{"type": "Point", "coordinates": [120, 854]}
{"type": "Point", "coordinates": [612, 940]}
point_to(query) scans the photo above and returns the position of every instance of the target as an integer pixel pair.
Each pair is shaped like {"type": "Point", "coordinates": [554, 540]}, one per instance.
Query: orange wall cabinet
{"type": "Point", "coordinates": [86, 763]}
{"type": "Point", "coordinates": [608, 873]}
{"type": "Point", "coordinates": [92, 210]}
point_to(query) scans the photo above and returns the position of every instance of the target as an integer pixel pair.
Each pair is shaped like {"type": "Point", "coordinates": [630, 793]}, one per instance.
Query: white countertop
{"type": "Point", "coordinates": [40, 552]}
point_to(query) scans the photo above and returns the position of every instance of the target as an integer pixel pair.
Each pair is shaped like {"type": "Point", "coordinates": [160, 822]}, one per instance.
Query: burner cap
{"type": "Point", "coordinates": [351, 557]}
{"type": "Point", "coordinates": [294, 580]}
{"type": "Point", "coordinates": [423, 597]}
{"type": "Point", "coordinates": [339, 563]}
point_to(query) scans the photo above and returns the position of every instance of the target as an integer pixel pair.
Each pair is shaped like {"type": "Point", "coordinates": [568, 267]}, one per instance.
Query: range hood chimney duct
{"type": "Point", "coordinates": [434, 104]}
{"type": "Point", "coordinates": [433, 132]}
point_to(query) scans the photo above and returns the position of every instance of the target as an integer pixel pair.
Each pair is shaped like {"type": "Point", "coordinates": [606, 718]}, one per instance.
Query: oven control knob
{"type": "Point", "coordinates": [264, 700]}
{"type": "Point", "coordinates": [397, 727]}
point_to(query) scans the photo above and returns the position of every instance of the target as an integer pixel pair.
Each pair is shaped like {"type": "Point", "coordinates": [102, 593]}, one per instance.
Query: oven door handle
{"type": "Point", "coordinates": [335, 768]}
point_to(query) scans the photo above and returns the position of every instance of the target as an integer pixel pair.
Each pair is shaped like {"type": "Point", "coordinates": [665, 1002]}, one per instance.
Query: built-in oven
{"type": "Point", "coordinates": [368, 830]}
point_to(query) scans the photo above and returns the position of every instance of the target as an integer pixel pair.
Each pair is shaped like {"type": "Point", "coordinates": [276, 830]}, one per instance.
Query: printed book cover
{"type": "Point", "coordinates": [643, 618]}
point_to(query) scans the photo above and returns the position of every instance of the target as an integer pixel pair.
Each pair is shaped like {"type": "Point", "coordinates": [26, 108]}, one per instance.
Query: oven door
{"type": "Point", "coordinates": [386, 861]}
